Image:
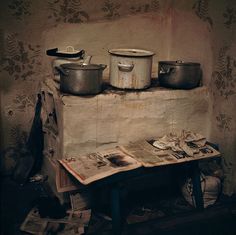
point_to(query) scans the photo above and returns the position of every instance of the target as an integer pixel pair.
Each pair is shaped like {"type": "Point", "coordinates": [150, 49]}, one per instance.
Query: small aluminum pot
{"type": "Point", "coordinates": [81, 79]}
{"type": "Point", "coordinates": [179, 75]}
{"type": "Point", "coordinates": [130, 68]}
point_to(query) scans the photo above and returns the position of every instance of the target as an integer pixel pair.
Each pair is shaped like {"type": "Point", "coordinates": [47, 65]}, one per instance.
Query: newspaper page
{"type": "Point", "coordinates": [64, 181]}
{"type": "Point", "coordinates": [150, 156]}
{"type": "Point", "coordinates": [98, 165]}
{"type": "Point", "coordinates": [80, 200]}
{"type": "Point", "coordinates": [33, 224]}
{"type": "Point", "coordinates": [74, 220]}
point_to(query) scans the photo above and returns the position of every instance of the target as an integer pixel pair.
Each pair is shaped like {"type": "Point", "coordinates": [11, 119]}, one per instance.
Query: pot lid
{"type": "Point", "coordinates": [65, 54]}
{"type": "Point", "coordinates": [76, 66]}
{"type": "Point", "coordinates": [131, 52]}
{"type": "Point", "coordinates": [179, 62]}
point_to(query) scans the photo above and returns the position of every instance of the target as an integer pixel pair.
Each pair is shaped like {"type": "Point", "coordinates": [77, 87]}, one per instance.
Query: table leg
{"type": "Point", "coordinates": [115, 210]}
{"type": "Point", "coordinates": [197, 190]}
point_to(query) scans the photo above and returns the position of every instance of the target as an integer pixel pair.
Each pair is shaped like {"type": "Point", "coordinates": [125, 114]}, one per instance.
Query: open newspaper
{"type": "Point", "coordinates": [149, 155]}
{"type": "Point", "coordinates": [170, 149]}
{"type": "Point", "coordinates": [98, 165]}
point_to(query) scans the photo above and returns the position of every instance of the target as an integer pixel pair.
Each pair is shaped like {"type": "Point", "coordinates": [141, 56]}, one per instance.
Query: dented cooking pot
{"type": "Point", "coordinates": [81, 79]}
{"type": "Point", "coordinates": [179, 74]}
{"type": "Point", "coordinates": [130, 68]}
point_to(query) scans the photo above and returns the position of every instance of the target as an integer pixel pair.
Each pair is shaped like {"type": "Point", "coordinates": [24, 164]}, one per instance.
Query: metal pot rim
{"type": "Point", "coordinates": [131, 52]}
{"type": "Point", "coordinates": [76, 66]}
{"type": "Point", "coordinates": [179, 63]}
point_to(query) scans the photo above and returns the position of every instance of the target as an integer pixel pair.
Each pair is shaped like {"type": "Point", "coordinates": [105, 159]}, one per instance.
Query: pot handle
{"type": "Point", "coordinates": [166, 70]}
{"type": "Point", "coordinates": [54, 52]}
{"type": "Point", "coordinates": [125, 67]}
{"type": "Point", "coordinates": [61, 70]}
{"type": "Point", "coordinates": [103, 66]}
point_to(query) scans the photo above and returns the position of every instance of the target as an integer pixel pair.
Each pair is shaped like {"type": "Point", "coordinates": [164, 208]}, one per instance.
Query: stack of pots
{"type": "Point", "coordinates": [70, 55]}
{"type": "Point", "coordinates": [77, 75]}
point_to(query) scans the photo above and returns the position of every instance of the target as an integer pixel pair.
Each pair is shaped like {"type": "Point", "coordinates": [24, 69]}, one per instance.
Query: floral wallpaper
{"type": "Point", "coordinates": [230, 16]}
{"type": "Point", "coordinates": [224, 90]}
{"type": "Point", "coordinates": [22, 58]}
{"type": "Point", "coordinates": [20, 8]}
{"type": "Point", "coordinates": [24, 101]}
{"type": "Point", "coordinates": [153, 6]}
{"type": "Point", "coordinates": [224, 122]}
{"type": "Point", "coordinates": [201, 9]}
{"type": "Point", "coordinates": [67, 11]}
{"type": "Point", "coordinates": [111, 9]}
{"type": "Point", "coordinates": [225, 76]}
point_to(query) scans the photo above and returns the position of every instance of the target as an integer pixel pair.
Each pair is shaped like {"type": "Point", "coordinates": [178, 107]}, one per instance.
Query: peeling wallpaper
{"type": "Point", "coordinates": [23, 63]}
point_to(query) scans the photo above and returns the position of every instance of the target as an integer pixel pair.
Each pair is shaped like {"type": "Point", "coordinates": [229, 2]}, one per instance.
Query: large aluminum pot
{"type": "Point", "coordinates": [179, 75]}
{"type": "Point", "coordinates": [81, 79]}
{"type": "Point", "coordinates": [130, 68]}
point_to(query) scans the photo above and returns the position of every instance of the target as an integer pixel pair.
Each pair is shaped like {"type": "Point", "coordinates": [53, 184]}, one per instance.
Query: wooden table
{"type": "Point", "coordinates": [115, 181]}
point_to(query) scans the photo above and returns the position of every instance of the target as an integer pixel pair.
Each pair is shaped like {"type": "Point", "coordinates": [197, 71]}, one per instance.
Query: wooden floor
{"type": "Point", "coordinates": [214, 221]}
{"type": "Point", "coordinates": [219, 220]}
{"type": "Point", "coordinates": [16, 201]}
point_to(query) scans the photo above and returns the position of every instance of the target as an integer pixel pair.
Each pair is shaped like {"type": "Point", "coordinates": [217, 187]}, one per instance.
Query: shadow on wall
{"type": "Point", "coordinates": [172, 29]}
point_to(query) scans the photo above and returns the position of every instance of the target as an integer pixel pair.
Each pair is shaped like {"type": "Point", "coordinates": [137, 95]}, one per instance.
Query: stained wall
{"type": "Point", "coordinates": [191, 30]}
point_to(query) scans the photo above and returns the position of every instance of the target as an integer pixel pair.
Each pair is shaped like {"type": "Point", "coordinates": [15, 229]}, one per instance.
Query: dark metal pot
{"type": "Point", "coordinates": [179, 75]}
{"type": "Point", "coordinates": [81, 79]}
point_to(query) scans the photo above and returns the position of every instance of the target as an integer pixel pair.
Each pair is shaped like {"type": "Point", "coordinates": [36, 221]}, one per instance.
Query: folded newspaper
{"type": "Point", "coordinates": [98, 165]}
{"type": "Point", "coordinates": [163, 151]}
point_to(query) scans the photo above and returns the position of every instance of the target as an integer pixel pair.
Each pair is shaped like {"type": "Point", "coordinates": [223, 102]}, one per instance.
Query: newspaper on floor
{"type": "Point", "coordinates": [80, 200]}
{"type": "Point", "coordinates": [33, 224]}
{"type": "Point", "coordinates": [81, 217]}
{"type": "Point", "coordinates": [94, 166]}
{"type": "Point", "coordinates": [75, 222]}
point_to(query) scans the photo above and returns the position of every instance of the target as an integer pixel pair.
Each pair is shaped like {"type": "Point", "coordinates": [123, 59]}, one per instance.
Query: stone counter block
{"type": "Point", "coordinates": [114, 117]}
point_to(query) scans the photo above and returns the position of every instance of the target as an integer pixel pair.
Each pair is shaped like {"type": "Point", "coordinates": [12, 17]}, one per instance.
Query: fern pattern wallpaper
{"type": "Point", "coordinates": [23, 63]}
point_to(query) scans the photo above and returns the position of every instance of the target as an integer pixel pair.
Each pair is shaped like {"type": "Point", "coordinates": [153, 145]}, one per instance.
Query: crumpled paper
{"type": "Point", "coordinates": [181, 142]}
